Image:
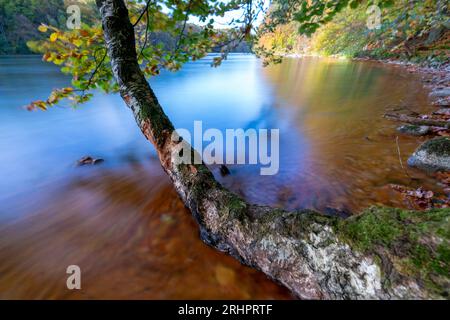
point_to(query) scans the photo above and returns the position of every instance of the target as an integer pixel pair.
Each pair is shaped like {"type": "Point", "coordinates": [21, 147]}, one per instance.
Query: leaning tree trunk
{"type": "Point", "coordinates": [301, 250]}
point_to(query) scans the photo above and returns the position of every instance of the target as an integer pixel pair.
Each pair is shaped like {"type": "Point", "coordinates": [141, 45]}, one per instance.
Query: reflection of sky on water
{"type": "Point", "coordinates": [325, 110]}
{"type": "Point", "coordinates": [39, 147]}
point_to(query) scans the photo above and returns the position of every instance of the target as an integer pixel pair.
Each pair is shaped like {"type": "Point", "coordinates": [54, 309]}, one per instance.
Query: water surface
{"type": "Point", "coordinates": [122, 222]}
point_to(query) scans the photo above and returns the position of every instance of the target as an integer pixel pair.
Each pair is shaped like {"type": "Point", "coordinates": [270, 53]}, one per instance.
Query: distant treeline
{"type": "Point", "coordinates": [19, 20]}
{"type": "Point", "coordinates": [417, 31]}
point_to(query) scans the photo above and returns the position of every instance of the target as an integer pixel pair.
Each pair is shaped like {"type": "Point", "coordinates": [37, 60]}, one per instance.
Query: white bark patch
{"type": "Point", "coordinates": [342, 270]}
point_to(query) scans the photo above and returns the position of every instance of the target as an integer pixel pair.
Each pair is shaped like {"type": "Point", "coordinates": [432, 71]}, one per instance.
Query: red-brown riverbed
{"type": "Point", "coordinates": [122, 222]}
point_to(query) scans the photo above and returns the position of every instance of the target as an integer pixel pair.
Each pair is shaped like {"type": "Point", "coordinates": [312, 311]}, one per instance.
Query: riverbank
{"type": "Point", "coordinates": [433, 126]}
{"type": "Point", "coordinates": [434, 78]}
{"type": "Point", "coordinates": [433, 155]}
{"type": "Point", "coordinates": [434, 122]}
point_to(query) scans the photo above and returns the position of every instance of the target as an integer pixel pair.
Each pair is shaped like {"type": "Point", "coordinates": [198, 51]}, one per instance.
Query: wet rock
{"type": "Point", "coordinates": [224, 171]}
{"type": "Point", "coordinates": [414, 129]}
{"type": "Point", "coordinates": [443, 111]}
{"type": "Point", "coordinates": [433, 155]}
{"type": "Point", "coordinates": [89, 160]}
{"type": "Point", "coordinates": [98, 161]}
{"type": "Point", "coordinates": [442, 102]}
{"type": "Point", "coordinates": [440, 93]}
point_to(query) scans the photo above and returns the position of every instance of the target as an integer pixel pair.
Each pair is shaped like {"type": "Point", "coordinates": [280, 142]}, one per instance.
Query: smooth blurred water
{"type": "Point", "coordinates": [329, 113]}
{"type": "Point", "coordinates": [39, 147]}
{"type": "Point", "coordinates": [336, 151]}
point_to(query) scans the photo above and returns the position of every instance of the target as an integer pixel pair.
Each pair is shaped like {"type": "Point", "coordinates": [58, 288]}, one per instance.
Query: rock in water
{"type": "Point", "coordinates": [414, 130]}
{"type": "Point", "coordinates": [98, 161]}
{"type": "Point", "coordinates": [89, 160]}
{"type": "Point", "coordinates": [433, 155]}
{"type": "Point", "coordinates": [443, 111]}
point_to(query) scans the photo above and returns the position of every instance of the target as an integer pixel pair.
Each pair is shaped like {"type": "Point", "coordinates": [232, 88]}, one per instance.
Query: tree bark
{"type": "Point", "coordinates": [300, 249]}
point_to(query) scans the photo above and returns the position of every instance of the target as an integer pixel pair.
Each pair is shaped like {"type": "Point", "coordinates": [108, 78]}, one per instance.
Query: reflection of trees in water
{"type": "Point", "coordinates": [335, 110]}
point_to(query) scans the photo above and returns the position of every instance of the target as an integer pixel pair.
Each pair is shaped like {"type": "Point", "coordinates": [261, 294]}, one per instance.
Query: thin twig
{"type": "Point", "coordinates": [180, 36]}
{"type": "Point", "coordinates": [250, 18]}
{"type": "Point", "coordinates": [146, 37]}
{"type": "Point", "coordinates": [97, 67]}
{"type": "Point", "coordinates": [142, 13]}
{"type": "Point", "coordinates": [400, 158]}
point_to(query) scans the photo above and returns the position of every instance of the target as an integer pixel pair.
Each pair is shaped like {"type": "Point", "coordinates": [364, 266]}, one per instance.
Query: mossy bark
{"type": "Point", "coordinates": [315, 256]}
{"type": "Point", "coordinates": [406, 244]}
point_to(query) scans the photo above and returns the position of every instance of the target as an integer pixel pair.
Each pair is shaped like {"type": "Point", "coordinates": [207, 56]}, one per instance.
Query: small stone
{"type": "Point", "coordinates": [433, 155]}
{"type": "Point", "coordinates": [89, 160]}
{"type": "Point", "coordinates": [414, 130]}
{"type": "Point", "coordinates": [441, 93]}
{"type": "Point", "coordinates": [442, 102]}
{"type": "Point", "coordinates": [98, 161]}
{"type": "Point", "coordinates": [85, 160]}
{"type": "Point", "coordinates": [443, 111]}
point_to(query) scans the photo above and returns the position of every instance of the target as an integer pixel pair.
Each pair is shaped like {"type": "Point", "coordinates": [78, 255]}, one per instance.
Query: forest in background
{"type": "Point", "coordinates": [20, 19]}
{"type": "Point", "coordinates": [416, 31]}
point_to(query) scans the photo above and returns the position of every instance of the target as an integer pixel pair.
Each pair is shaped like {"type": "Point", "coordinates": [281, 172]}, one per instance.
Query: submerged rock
{"type": "Point", "coordinates": [440, 93]}
{"type": "Point", "coordinates": [443, 111]}
{"type": "Point", "coordinates": [442, 102]}
{"type": "Point", "coordinates": [89, 160]}
{"type": "Point", "coordinates": [433, 155]}
{"type": "Point", "coordinates": [414, 129]}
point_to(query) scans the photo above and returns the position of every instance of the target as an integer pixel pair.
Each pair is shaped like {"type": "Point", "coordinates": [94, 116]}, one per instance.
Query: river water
{"type": "Point", "coordinates": [122, 222]}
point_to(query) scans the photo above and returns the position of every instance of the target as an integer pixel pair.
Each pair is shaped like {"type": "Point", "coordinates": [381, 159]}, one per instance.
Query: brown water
{"type": "Point", "coordinates": [131, 237]}
{"type": "Point", "coordinates": [122, 222]}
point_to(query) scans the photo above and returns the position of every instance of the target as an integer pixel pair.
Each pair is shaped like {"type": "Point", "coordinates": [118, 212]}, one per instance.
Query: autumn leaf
{"type": "Point", "coordinates": [77, 42]}
{"type": "Point", "coordinates": [54, 37]}
{"type": "Point", "coordinates": [43, 28]}
{"type": "Point", "coordinates": [46, 56]}
{"type": "Point", "coordinates": [84, 33]}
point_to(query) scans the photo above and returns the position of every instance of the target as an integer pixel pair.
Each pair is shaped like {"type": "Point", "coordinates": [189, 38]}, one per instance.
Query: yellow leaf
{"type": "Point", "coordinates": [54, 37]}
{"type": "Point", "coordinates": [77, 42]}
{"type": "Point", "coordinates": [42, 28]}
{"type": "Point", "coordinates": [40, 104]}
